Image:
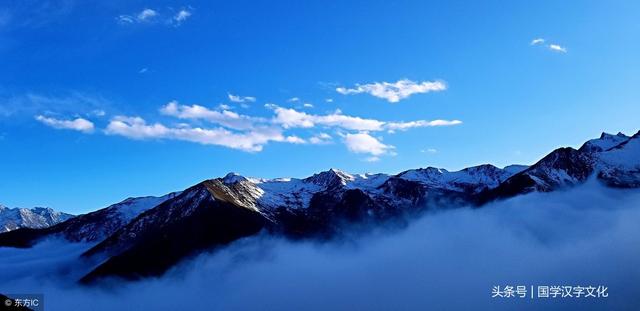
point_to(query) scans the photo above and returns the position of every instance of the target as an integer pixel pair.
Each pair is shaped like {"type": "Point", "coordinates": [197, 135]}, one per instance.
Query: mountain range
{"type": "Point", "coordinates": [37, 217]}
{"type": "Point", "coordinates": [141, 237]}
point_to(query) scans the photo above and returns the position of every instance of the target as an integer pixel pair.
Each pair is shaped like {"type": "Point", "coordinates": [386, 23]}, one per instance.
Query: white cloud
{"type": "Point", "coordinates": [320, 139]}
{"type": "Point", "coordinates": [251, 141]}
{"type": "Point", "coordinates": [293, 99]}
{"type": "Point", "coordinates": [553, 47]}
{"type": "Point", "coordinates": [329, 100]}
{"type": "Point", "coordinates": [247, 132]}
{"type": "Point", "coordinates": [143, 70]}
{"type": "Point", "coordinates": [295, 140]}
{"type": "Point", "coordinates": [181, 16]}
{"type": "Point", "coordinates": [225, 118]}
{"type": "Point", "coordinates": [77, 124]}
{"type": "Point", "coordinates": [396, 91]}
{"type": "Point", "coordinates": [151, 16]}
{"type": "Point", "coordinates": [403, 126]}
{"type": "Point", "coordinates": [557, 48]}
{"type": "Point", "coordinates": [290, 118]}
{"type": "Point", "coordinates": [537, 41]}
{"type": "Point", "coordinates": [125, 19]}
{"type": "Point", "coordinates": [146, 15]}
{"type": "Point", "coordinates": [429, 150]}
{"type": "Point", "coordinates": [241, 99]}
{"type": "Point", "coordinates": [308, 105]}
{"type": "Point", "coordinates": [365, 143]}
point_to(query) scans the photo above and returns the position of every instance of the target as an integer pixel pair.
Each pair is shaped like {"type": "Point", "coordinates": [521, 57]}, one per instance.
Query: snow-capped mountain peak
{"type": "Point", "coordinates": [331, 178]}
{"type": "Point", "coordinates": [233, 177]}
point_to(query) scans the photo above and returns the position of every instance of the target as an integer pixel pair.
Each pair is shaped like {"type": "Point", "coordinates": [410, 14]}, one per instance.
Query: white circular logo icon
{"type": "Point", "coordinates": [8, 302]}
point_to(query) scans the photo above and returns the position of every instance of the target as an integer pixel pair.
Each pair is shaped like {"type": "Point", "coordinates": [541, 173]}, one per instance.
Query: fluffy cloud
{"type": "Point", "coordinates": [393, 92]}
{"type": "Point", "coordinates": [252, 141]}
{"type": "Point", "coordinates": [241, 99]}
{"type": "Point", "coordinates": [77, 124]}
{"type": "Point", "coordinates": [291, 118]}
{"type": "Point", "coordinates": [365, 143]}
{"type": "Point", "coordinates": [147, 14]}
{"type": "Point", "coordinates": [225, 117]}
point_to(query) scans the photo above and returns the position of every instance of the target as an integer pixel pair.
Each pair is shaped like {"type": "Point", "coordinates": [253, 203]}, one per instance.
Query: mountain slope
{"type": "Point", "coordinates": [203, 216]}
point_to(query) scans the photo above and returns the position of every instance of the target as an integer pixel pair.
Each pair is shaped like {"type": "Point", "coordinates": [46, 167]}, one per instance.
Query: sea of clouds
{"type": "Point", "coordinates": [448, 260]}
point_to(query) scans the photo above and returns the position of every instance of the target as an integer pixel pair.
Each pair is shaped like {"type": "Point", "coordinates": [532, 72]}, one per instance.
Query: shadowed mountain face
{"type": "Point", "coordinates": [199, 218]}
{"type": "Point", "coordinates": [219, 211]}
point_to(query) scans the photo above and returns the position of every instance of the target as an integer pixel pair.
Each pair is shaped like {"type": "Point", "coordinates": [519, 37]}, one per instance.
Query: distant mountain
{"type": "Point", "coordinates": [213, 213]}
{"type": "Point", "coordinates": [36, 218]}
{"type": "Point", "coordinates": [91, 227]}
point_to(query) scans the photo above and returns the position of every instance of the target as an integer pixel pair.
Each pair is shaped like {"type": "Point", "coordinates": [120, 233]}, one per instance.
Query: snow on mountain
{"type": "Point", "coordinates": [37, 217]}
{"type": "Point", "coordinates": [620, 165]}
{"type": "Point", "coordinates": [473, 179]}
{"type": "Point", "coordinates": [269, 194]}
{"type": "Point", "coordinates": [605, 142]}
{"type": "Point", "coordinates": [612, 159]}
{"type": "Point", "coordinates": [624, 154]}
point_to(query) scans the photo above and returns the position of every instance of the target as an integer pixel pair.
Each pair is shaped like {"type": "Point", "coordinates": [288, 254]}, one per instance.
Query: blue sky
{"type": "Point", "coordinates": [104, 100]}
